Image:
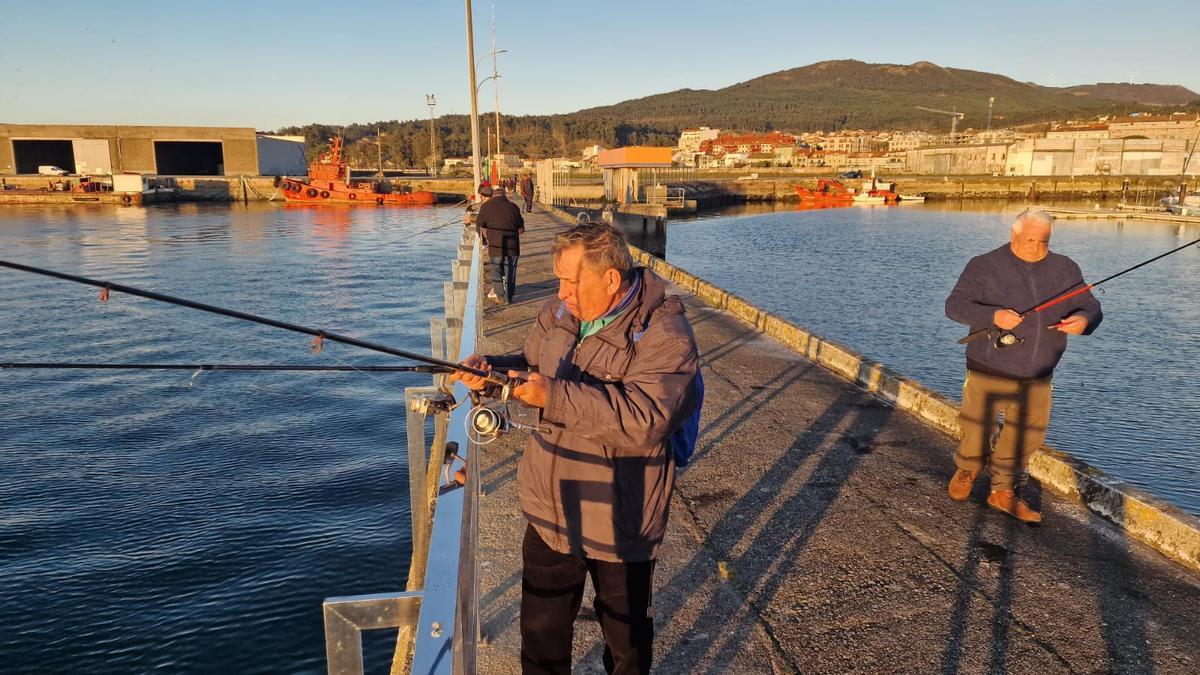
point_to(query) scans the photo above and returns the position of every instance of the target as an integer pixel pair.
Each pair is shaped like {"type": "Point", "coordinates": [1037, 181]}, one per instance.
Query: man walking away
{"type": "Point", "coordinates": [616, 376]}
{"type": "Point", "coordinates": [527, 192]}
{"type": "Point", "coordinates": [1013, 380]}
{"type": "Point", "coordinates": [501, 225]}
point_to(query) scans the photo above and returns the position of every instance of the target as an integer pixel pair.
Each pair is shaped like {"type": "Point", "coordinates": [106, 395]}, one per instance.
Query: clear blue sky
{"type": "Point", "coordinates": [271, 64]}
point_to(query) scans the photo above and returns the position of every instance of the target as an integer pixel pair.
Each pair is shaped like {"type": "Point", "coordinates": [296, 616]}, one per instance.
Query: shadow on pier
{"type": "Point", "coordinates": [813, 533]}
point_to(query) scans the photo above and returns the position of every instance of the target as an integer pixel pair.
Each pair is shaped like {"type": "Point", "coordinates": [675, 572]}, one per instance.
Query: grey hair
{"type": "Point", "coordinates": [604, 247]}
{"type": "Point", "coordinates": [1035, 215]}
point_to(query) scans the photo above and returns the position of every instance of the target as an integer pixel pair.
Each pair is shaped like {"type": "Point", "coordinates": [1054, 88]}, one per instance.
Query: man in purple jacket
{"type": "Point", "coordinates": [1009, 373]}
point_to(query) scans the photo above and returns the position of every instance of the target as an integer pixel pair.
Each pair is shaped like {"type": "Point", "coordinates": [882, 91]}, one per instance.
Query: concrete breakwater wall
{"type": "Point", "coordinates": [1146, 190]}
{"type": "Point", "coordinates": [238, 188]}
{"type": "Point", "coordinates": [1143, 516]}
{"type": "Point", "coordinates": [717, 191]}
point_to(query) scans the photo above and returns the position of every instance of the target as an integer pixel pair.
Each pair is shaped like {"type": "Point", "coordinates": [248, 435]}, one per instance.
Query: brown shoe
{"type": "Point", "coordinates": [1008, 502]}
{"type": "Point", "coordinates": [960, 484]}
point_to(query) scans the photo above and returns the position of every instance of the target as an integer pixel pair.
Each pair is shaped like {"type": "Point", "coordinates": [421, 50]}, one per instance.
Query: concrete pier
{"type": "Point", "coordinates": [813, 534]}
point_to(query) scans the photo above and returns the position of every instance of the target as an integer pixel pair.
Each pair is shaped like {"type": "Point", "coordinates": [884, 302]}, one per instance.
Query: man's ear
{"type": "Point", "coordinates": [612, 278]}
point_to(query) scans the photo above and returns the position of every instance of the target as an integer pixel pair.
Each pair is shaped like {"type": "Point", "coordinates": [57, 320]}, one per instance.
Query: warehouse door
{"type": "Point", "coordinates": [189, 158]}
{"type": "Point", "coordinates": [92, 158]}
{"type": "Point", "coordinates": [29, 155]}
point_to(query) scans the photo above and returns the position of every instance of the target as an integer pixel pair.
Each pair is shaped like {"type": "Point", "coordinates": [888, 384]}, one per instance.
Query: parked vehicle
{"type": "Point", "coordinates": [51, 170]}
{"type": "Point", "coordinates": [850, 174]}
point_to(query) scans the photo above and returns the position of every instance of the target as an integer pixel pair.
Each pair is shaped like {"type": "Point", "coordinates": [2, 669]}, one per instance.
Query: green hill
{"type": "Point", "coordinates": [825, 96]}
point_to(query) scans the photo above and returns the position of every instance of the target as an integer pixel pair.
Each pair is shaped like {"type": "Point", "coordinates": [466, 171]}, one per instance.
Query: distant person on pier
{"type": "Point", "coordinates": [527, 192]}
{"type": "Point", "coordinates": [616, 379]}
{"type": "Point", "coordinates": [1013, 380]}
{"type": "Point", "coordinates": [501, 225]}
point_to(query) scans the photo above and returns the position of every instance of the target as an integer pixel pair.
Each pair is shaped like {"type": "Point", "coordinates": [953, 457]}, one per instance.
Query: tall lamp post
{"type": "Point", "coordinates": [491, 159]}
{"type": "Point", "coordinates": [431, 101]}
{"type": "Point", "coordinates": [476, 169]}
{"type": "Point", "coordinates": [495, 77]}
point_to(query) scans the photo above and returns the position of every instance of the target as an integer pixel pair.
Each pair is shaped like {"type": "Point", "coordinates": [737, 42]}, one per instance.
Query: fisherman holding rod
{"type": "Point", "coordinates": [616, 377]}
{"type": "Point", "coordinates": [1010, 372]}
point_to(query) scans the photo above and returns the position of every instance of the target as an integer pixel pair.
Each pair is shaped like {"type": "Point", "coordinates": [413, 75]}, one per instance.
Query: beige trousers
{"type": "Point", "coordinates": [1025, 406]}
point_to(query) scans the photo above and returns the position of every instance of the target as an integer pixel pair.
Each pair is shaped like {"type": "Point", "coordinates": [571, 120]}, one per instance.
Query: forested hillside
{"type": "Point", "coordinates": [825, 96]}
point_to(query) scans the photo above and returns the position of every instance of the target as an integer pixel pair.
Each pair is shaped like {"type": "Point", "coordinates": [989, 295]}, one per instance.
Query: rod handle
{"type": "Point", "coordinates": [974, 336]}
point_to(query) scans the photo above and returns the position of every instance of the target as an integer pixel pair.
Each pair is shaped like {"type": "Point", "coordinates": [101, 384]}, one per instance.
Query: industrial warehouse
{"type": "Point", "coordinates": [100, 150]}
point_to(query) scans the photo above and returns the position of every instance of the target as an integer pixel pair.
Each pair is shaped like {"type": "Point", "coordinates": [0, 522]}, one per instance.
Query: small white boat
{"type": "Point", "coordinates": [864, 198]}
{"type": "Point", "coordinates": [1189, 207]}
{"type": "Point", "coordinates": [912, 199]}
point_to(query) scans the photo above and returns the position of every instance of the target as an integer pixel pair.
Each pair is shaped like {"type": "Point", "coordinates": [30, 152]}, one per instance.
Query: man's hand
{"type": "Point", "coordinates": [534, 390]}
{"type": "Point", "coordinates": [1006, 319]}
{"type": "Point", "coordinates": [473, 382]}
{"type": "Point", "coordinates": [1072, 325]}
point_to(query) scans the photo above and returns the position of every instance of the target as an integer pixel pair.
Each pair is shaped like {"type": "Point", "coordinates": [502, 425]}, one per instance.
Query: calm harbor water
{"type": "Point", "coordinates": [1127, 398]}
{"type": "Point", "coordinates": [152, 521]}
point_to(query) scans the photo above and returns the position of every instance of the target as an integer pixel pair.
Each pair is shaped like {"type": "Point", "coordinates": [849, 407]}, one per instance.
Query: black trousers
{"type": "Point", "coordinates": [551, 593]}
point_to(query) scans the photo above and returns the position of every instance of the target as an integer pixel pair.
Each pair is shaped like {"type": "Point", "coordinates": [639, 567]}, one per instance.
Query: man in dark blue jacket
{"type": "Point", "coordinates": [1009, 373]}
{"type": "Point", "coordinates": [501, 225]}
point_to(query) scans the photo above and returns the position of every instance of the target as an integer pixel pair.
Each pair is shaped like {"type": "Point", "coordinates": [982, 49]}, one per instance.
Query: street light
{"type": "Point", "coordinates": [489, 77]}
{"type": "Point", "coordinates": [489, 56]}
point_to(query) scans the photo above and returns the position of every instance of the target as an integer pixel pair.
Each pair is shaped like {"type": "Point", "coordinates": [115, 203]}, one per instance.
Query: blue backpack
{"type": "Point", "coordinates": [683, 440]}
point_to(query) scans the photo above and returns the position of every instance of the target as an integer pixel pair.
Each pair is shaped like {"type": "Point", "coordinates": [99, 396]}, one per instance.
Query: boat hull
{"type": "Point", "coordinates": [339, 193]}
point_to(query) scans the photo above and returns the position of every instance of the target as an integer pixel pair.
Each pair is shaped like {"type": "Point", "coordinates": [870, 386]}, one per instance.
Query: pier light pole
{"type": "Point", "coordinates": [476, 169]}
{"type": "Point", "coordinates": [379, 151]}
{"type": "Point", "coordinates": [495, 77]}
{"type": "Point", "coordinates": [431, 101]}
{"type": "Point", "coordinates": [490, 158]}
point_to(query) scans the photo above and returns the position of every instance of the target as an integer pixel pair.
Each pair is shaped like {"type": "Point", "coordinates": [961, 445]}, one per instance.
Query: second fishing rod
{"type": "Point", "coordinates": [495, 378]}
{"type": "Point", "coordinates": [1008, 339]}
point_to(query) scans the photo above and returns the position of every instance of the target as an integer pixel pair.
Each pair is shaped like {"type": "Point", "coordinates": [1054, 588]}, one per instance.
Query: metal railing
{"type": "Point", "coordinates": [438, 614]}
{"type": "Point", "coordinates": [676, 197]}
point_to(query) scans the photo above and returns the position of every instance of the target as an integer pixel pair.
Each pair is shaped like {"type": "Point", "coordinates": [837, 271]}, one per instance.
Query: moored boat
{"type": "Point", "coordinates": [329, 182]}
{"type": "Point", "coordinates": [828, 191]}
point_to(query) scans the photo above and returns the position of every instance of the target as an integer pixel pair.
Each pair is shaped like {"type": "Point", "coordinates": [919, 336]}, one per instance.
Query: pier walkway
{"type": "Point", "coordinates": [812, 533]}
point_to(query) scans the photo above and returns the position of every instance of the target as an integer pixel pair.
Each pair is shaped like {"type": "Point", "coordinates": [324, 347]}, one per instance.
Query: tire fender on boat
{"type": "Point", "coordinates": [353, 196]}
{"type": "Point", "coordinates": [324, 194]}
{"type": "Point", "coordinates": [311, 192]}
{"type": "Point", "coordinates": [127, 199]}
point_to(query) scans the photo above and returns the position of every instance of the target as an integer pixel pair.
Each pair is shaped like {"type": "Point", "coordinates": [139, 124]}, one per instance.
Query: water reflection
{"type": "Point", "coordinates": [153, 508]}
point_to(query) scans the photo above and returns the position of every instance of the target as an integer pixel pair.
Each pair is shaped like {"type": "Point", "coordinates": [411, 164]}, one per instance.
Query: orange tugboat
{"type": "Point", "coordinates": [329, 181]}
{"type": "Point", "coordinates": [828, 193]}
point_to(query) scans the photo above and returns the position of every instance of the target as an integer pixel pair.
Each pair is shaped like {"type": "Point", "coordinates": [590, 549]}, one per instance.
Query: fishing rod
{"type": "Point", "coordinates": [1012, 340]}
{"type": "Point", "coordinates": [483, 422]}
{"type": "Point", "coordinates": [495, 378]}
{"type": "Point", "coordinates": [238, 367]}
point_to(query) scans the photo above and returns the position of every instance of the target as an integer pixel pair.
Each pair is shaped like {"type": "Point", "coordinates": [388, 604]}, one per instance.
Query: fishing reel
{"type": "Point", "coordinates": [1005, 339]}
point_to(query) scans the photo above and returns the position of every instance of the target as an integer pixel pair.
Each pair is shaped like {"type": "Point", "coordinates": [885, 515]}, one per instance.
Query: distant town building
{"type": "Point", "coordinates": [880, 161]}
{"type": "Point", "coordinates": [908, 140]}
{"type": "Point", "coordinates": [960, 159]}
{"type": "Point", "coordinates": [746, 143]}
{"type": "Point", "coordinates": [1094, 156]}
{"type": "Point", "coordinates": [852, 141]}
{"type": "Point", "coordinates": [1089, 130]}
{"type": "Point", "coordinates": [690, 139]}
{"type": "Point", "coordinates": [1161, 127]}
